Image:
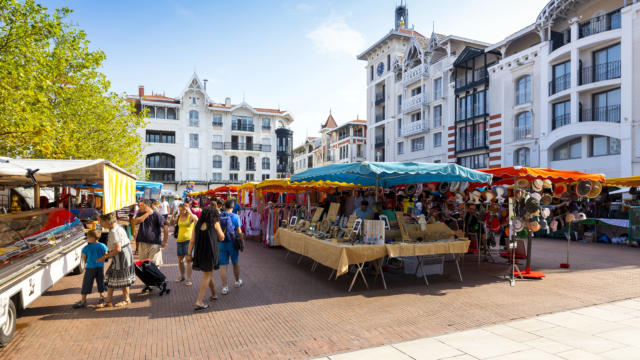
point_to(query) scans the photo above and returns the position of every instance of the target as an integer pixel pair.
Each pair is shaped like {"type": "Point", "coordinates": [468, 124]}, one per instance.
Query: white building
{"type": "Point", "coordinates": [192, 138]}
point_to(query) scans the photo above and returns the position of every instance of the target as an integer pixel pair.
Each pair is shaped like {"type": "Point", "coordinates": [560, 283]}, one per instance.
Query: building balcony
{"type": "Point", "coordinates": [414, 103]}
{"type": "Point", "coordinates": [413, 75]}
{"type": "Point", "coordinates": [379, 98]}
{"type": "Point", "coordinates": [522, 133]}
{"type": "Point", "coordinates": [415, 127]}
{"type": "Point", "coordinates": [560, 83]}
{"type": "Point", "coordinates": [251, 167]}
{"type": "Point", "coordinates": [234, 167]}
{"type": "Point", "coordinates": [379, 140]}
{"type": "Point", "coordinates": [600, 72]}
{"type": "Point", "coordinates": [217, 145]}
{"type": "Point", "coordinates": [379, 117]}
{"type": "Point", "coordinates": [242, 127]}
{"type": "Point", "coordinates": [603, 113]}
{"type": "Point", "coordinates": [242, 146]}
{"type": "Point", "coordinates": [600, 24]}
{"type": "Point", "coordinates": [560, 121]}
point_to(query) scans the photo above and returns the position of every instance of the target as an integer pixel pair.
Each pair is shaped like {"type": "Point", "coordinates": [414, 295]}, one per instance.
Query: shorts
{"type": "Point", "coordinates": [183, 248]}
{"type": "Point", "coordinates": [150, 251]}
{"type": "Point", "coordinates": [91, 274]}
{"type": "Point", "coordinates": [227, 250]}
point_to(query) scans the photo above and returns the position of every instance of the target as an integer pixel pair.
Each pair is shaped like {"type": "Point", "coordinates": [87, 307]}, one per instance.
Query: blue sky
{"type": "Point", "coordinates": [298, 55]}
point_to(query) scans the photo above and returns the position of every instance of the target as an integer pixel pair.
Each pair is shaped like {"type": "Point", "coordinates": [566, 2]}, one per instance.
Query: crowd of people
{"type": "Point", "coordinates": [208, 239]}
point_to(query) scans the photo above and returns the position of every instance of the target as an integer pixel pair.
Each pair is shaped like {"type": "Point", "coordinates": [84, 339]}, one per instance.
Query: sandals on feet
{"type": "Point", "coordinates": [201, 308]}
{"type": "Point", "coordinates": [80, 304]}
{"type": "Point", "coordinates": [213, 298]}
{"type": "Point", "coordinates": [188, 283]}
{"type": "Point", "coordinates": [180, 280]}
{"type": "Point", "coordinates": [105, 304]}
{"type": "Point", "coordinates": [123, 303]}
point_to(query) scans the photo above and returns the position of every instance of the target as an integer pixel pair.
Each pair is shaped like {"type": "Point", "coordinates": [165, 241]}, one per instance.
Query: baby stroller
{"type": "Point", "coordinates": [151, 276]}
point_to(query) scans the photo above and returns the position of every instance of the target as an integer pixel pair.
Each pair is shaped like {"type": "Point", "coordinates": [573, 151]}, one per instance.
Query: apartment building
{"type": "Point", "coordinates": [193, 138]}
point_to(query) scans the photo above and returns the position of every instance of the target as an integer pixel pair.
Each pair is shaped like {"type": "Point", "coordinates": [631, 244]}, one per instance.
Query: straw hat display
{"type": "Point", "coordinates": [500, 191]}
{"type": "Point", "coordinates": [569, 217]}
{"type": "Point", "coordinates": [522, 184]}
{"type": "Point", "coordinates": [474, 196]}
{"type": "Point", "coordinates": [536, 185]}
{"type": "Point", "coordinates": [546, 184]}
{"type": "Point", "coordinates": [560, 189]}
{"type": "Point", "coordinates": [534, 226]}
{"type": "Point", "coordinates": [488, 195]}
{"type": "Point", "coordinates": [546, 199]}
{"type": "Point", "coordinates": [583, 188]}
{"type": "Point", "coordinates": [518, 225]}
{"type": "Point", "coordinates": [596, 189]}
{"type": "Point", "coordinates": [444, 187]}
{"type": "Point", "coordinates": [494, 208]}
{"type": "Point", "coordinates": [545, 212]}
{"type": "Point", "coordinates": [532, 205]}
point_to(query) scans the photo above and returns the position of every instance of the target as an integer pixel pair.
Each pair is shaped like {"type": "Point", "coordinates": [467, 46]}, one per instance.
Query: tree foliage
{"type": "Point", "coordinates": [54, 101]}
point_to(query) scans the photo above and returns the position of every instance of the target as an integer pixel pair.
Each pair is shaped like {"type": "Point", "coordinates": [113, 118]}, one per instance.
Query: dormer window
{"type": "Point", "coordinates": [193, 100]}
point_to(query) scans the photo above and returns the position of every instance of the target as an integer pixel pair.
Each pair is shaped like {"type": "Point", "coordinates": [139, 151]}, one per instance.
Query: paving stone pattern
{"type": "Point", "coordinates": [285, 311]}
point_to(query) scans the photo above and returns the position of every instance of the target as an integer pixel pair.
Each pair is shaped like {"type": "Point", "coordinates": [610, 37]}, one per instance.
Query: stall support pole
{"type": "Point", "coordinates": [36, 196]}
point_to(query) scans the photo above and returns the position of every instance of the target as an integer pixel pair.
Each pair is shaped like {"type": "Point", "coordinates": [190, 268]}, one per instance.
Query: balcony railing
{"type": "Point", "coordinates": [560, 83]}
{"type": "Point", "coordinates": [217, 145]}
{"type": "Point", "coordinates": [600, 72]}
{"type": "Point", "coordinates": [523, 96]}
{"type": "Point", "coordinates": [242, 146]}
{"type": "Point", "coordinates": [251, 167]}
{"type": "Point", "coordinates": [609, 113]}
{"type": "Point", "coordinates": [379, 117]}
{"type": "Point", "coordinates": [414, 74]}
{"type": "Point", "coordinates": [522, 133]}
{"type": "Point", "coordinates": [379, 140]}
{"type": "Point", "coordinates": [414, 103]}
{"type": "Point", "coordinates": [242, 127]}
{"type": "Point", "coordinates": [414, 127]}
{"type": "Point", "coordinates": [379, 97]}
{"type": "Point", "coordinates": [600, 24]}
{"type": "Point", "coordinates": [560, 120]}
{"type": "Point", "coordinates": [234, 166]}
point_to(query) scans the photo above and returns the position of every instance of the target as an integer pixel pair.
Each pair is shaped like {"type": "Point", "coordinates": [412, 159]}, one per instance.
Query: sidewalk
{"type": "Point", "coordinates": [607, 331]}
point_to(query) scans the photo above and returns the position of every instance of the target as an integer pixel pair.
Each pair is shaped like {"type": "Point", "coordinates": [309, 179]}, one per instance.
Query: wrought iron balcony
{"type": "Point", "coordinates": [415, 127]}
{"type": "Point", "coordinates": [609, 113]}
{"type": "Point", "coordinates": [523, 133]}
{"type": "Point", "coordinates": [414, 103]}
{"type": "Point", "coordinates": [600, 72]}
{"type": "Point", "coordinates": [560, 120]}
{"type": "Point", "coordinates": [600, 24]}
{"type": "Point", "coordinates": [251, 167]}
{"type": "Point", "coordinates": [242, 146]}
{"type": "Point", "coordinates": [242, 127]}
{"type": "Point", "coordinates": [414, 74]}
{"type": "Point", "coordinates": [234, 166]}
{"type": "Point", "coordinates": [560, 83]}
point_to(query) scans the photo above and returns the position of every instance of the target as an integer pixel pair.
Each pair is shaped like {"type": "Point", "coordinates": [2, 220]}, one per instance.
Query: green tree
{"type": "Point", "coordinates": [54, 101]}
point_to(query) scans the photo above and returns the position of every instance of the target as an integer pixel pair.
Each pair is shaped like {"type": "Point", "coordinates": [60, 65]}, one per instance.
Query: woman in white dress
{"type": "Point", "coordinates": [121, 271]}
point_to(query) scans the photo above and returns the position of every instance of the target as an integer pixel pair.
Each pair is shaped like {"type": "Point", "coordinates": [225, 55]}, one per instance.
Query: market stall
{"type": "Point", "coordinates": [629, 204]}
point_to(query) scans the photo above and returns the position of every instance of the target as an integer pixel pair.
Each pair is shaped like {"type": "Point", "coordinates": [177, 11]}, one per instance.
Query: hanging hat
{"type": "Point", "coordinates": [495, 224]}
{"type": "Point", "coordinates": [546, 199]}
{"type": "Point", "coordinates": [432, 187]}
{"type": "Point", "coordinates": [560, 189]}
{"type": "Point", "coordinates": [411, 189]}
{"type": "Point", "coordinates": [531, 205]}
{"type": "Point", "coordinates": [534, 226]}
{"type": "Point", "coordinates": [518, 225]}
{"type": "Point", "coordinates": [581, 216]}
{"type": "Point", "coordinates": [544, 225]}
{"type": "Point", "coordinates": [504, 213]}
{"type": "Point", "coordinates": [419, 188]}
{"type": "Point", "coordinates": [569, 218]}
{"type": "Point", "coordinates": [463, 186]}
{"type": "Point", "coordinates": [506, 231]}
{"type": "Point", "coordinates": [443, 187]}
{"type": "Point", "coordinates": [554, 225]}
{"type": "Point", "coordinates": [536, 185]}
{"type": "Point", "coordinates": [454, 186]}
{"type": "Point", "coordinates": [488, 195]}
{"type": "Point", "coordinates": [474, 196]}
{"type": "Point", "coordinates": [500, 191]}
{"type": "Point", "coordinates": [547, 184]}
{"type": "Point", "coordinates": [545, 212]}
{"type": "Point", "coordinates": [536, 196]}
{"type": "Point", "coordinates": [494, 208]}
{"type": "Point", "coordinates": [583, 188]}
{"type": "Point", "coordinates": [596, 189]}
{"type": "Point", "coordinates": [522, 183]}
{"type": "Point", "coordinates": [459, 197]}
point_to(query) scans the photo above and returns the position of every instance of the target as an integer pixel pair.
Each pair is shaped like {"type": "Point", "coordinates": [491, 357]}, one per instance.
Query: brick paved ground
{"type": "Point", "coordinates": [285, 311]}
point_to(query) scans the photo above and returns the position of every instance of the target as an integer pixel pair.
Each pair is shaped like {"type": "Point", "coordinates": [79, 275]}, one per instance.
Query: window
{"type": "Point", "coordinates": [417, 144]}
{"type": "Point", "coordinates": [266, 145]}
{"type": "Point", "coordinates": [569, 150]}
{"type": "Point", "coordinates": [251, 164]}
{"type": "Point", "coordinates": [234, 164]}
{"type": "Point", "coordinates": [416, 117]}
{"type": "Point", "coordinates": [194, 118]}
{"type": "Point", "coordinates": [523, 126]}
{"type": "Point", "coordinates": [606, 107]}
{"type": "Point", "coordinates": [606, 63]}
{"type": "Point", "coordinates": [217, 162]}
{"type": "Point", "coordinates": [266, 124]}
{"type": "Point", "coordinates": [521, 157]}
{"type": "Point", "coordinates": [151, 113]}
{"type": "Point", "coordinates": [603, 145]}
{"type": "Point", "coordinates": [265, 176]}
{"type": "Point", "coordinates": [388, 62]}
{"type": "Point", "coordinates": [193, 100]}
{"type": "Point", "coordinates": [164, 137]}
{"type": "Point", "coordinates": [400, 148]}
{"type": "Point", "coordinates": [266, 163]}
{"type": "Point", "coordinates": [171, 113]}
{"type": "Point", "coordinates": [416, 91]}
{"type": "Point", "coordinates": [472, 105]}
{"type": "Point", "coordinates": [471, 137]}
{"type": "Point", "coordinates": [523, 90]}
{"type": "Point", "coordinates": [217, 120]}
{"type": "Point", "coordinates": [399, 109]}
{"type": "Point", "coordinates": [399, 128]}
{"type": "Point", "coordinates": [162, 175]}
{"type": "Point", "coordinates": [193, 141]}
{"type": "Point", "coordinates": [250, 177]}
{"type": "Point", "coordinates": [437, 116]}
{"type": "Point", "coordinates": [160, 161]}
{"type": "Point", "coordinates": [474, 161]}
{"type": "Point", "coordinates": [216, 176]}
{"type": "Point", "coordinates": [160, 113]}
{"type": "Point", "coordinates": [438, 161]}
{"type": "Point", "coordinates": [371, 73]}
{"type": "Point", "coordinates": [561, 114]}
{"type": "Point", "coordinates": [437, 139]}
{"type": "Point", "coordinates": [242, 123]}
{"type": "Point", "coordinates": [561, 77]}
{"type": "Point", "coordinates": [437, 88]}
{"type": "Point", "coordinates": [233, 176]}
{"type": "Point", "coordinates": [360, 150]}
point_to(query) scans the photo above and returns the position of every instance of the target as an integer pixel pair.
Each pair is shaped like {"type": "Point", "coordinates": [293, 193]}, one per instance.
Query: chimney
{"type": "Point", "coordinates": [227, 101]}
{"type": "Point", "coordinates": [205, 84]}
{"type": "Point", "coordinates": [141, 90]}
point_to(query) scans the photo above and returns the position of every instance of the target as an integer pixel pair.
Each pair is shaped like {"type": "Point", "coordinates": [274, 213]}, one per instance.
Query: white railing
{"type": "Point", "coordinates": [414, 74]}
{"type": "Point", "coordinates": [522, 133]}
{"type": "Point", "coordinates": [413, 128]}
{"type": "Point", "coordinates": [414, 103]}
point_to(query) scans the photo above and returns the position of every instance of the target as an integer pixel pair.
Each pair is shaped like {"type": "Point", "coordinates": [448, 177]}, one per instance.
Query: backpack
{"type": "Point", "coordinates": [229, 230]}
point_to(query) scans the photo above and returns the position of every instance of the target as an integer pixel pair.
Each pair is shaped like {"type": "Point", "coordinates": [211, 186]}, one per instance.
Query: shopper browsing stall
{"type": "Point", "coordinates": [151, 227]}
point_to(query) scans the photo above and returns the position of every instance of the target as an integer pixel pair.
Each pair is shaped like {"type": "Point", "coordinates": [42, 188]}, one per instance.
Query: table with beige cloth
{"type": "Point", "coordinates": [338, 256]}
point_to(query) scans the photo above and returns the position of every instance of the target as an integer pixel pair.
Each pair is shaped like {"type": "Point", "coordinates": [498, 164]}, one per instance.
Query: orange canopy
{"type": "Point", "coordinates": [224, 189]}
{"type": "Point", "coordinates": [507, 174]}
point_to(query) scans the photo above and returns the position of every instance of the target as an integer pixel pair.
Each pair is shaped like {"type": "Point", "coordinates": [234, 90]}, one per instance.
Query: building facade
{"type": "Point", "coordinates": [192, 138]}
{"type": "Point", "coordinates": [554, 94]}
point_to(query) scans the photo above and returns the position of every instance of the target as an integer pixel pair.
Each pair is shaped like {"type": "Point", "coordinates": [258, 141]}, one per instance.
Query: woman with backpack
{"type": "Point", "coordinates": [203, 252]}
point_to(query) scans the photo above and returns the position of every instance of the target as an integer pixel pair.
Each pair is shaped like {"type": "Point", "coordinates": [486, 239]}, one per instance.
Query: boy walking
{"type": "Point", "coordinates": [93, 270]}
{"type": "Point", "coordinates": [233, 242]}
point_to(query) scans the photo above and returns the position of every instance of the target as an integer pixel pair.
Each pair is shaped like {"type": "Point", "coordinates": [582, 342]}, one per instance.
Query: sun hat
{"type": "Point", "coordinates": [536, 196]}
{"type": "Point", "coordinates": [596, 189]}
{"type": "Point", "coordinates": [560, 188]}
{"type": "Point", "coordinates": [546, 199]}
{"type": "Point", "coordinates": [443, 187]}
{"type": "Point", "coordinates": [518, 225]}
{"type": "Point", "coordinates": [488, 195]}
{"type": "Point", "coordinates": [500, 191]}
{"type": "Point", "coordinates": [569, 217]}
{"type": "Point", "coordinates": [494, 208]}
{"type": "Point", "coordinates": [504, 213]}
{"type": "Point", "coordinates": [545, 212]}
{"type": "Point", "coordinates": [534, 226]}
{"type": "Point", "coordinates": [522, 183]}
{"type": "Point", "coordinates": [459, 197]}
{"type": "Point", "coordinates": [531, 205]}
{"type": "Point", "coordinates": [583, 188]}
{"type": "Point", "coordinates": [581, 216]}
{"type": "Point", "coordinates": [536, 185]}
{"type": "Point", "coordinates": [474, 196]}
{"type": "Point", "coordinates": [547, 184]}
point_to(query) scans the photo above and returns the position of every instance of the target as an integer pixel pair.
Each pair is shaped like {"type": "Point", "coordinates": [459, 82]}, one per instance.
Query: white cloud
{"type": "Point", "coordinates": [304, 7]}
{"type": "Point", "coordinates": [335, 36]}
